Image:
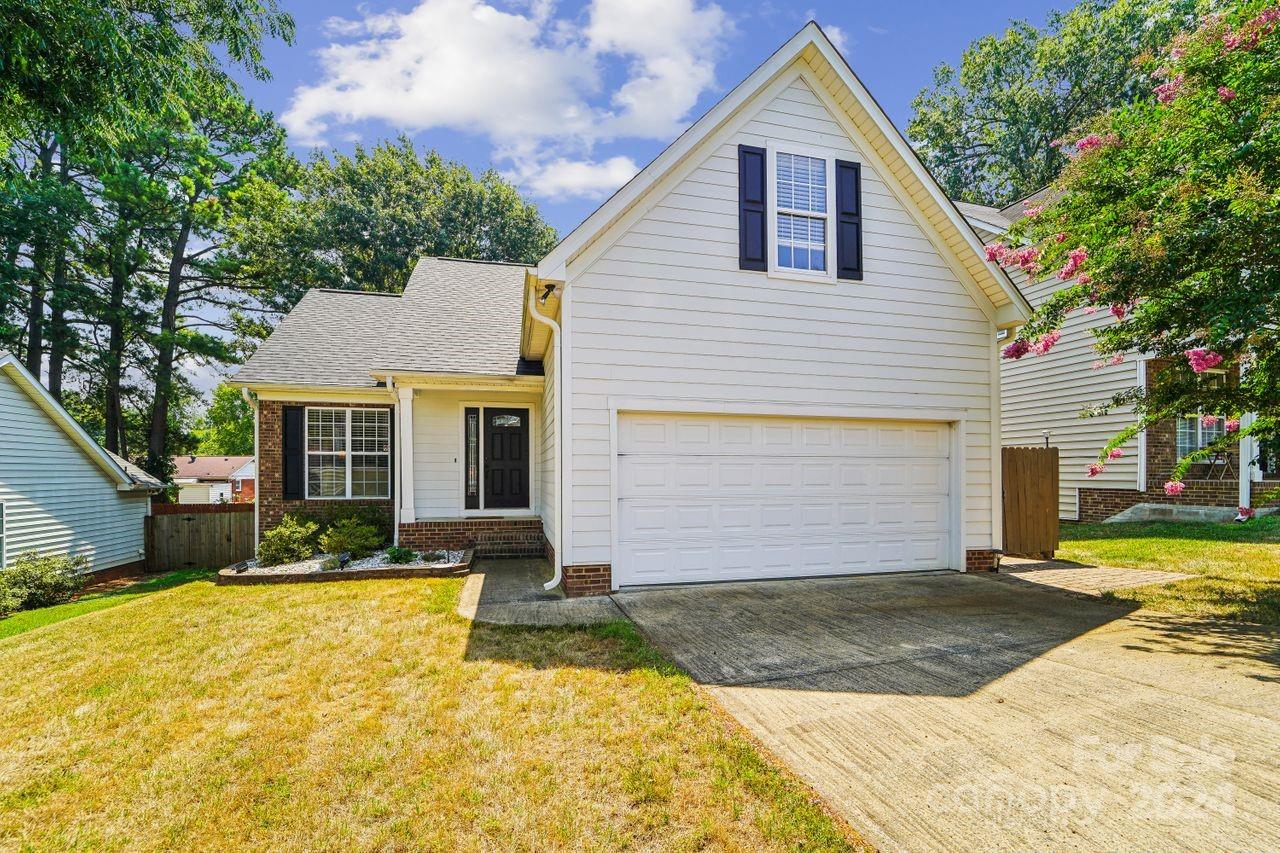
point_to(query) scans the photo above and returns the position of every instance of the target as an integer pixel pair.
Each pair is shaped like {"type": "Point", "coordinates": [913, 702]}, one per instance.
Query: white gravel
{"type": "Point", "coordinates": [376, 561]}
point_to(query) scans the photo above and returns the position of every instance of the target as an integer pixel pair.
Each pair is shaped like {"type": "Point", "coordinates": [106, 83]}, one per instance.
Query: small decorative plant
{"type": "Point", "coordinates": [288, 542]}
{"type": "Point", "coordinates": [40, 581]}
{"type": "Point", "coordinates": [398, 555]}
{"type": "Point", "coordinates": [351, 536]}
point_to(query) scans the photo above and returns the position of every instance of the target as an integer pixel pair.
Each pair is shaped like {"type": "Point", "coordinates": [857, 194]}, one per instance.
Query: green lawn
{"type": "Point", "coordinates": [368, 715]}
{"type": "Point", "coordinates": [1238, 565]}
{"type": "Point", "coordinates": [25, 621]}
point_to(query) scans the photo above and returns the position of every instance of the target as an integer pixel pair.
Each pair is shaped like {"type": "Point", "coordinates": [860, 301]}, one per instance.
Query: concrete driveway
{"type": "Point", "coordinates": [944, 711]}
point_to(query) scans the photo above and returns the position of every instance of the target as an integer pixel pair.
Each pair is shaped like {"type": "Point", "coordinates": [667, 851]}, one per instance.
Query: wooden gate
{"type": "Point", "coordinates": [1030, 501]}
{"type": "Point", "coordinates": [198, 536]}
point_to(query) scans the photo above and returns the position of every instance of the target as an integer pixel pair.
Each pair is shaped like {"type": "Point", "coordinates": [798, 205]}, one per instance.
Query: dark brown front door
{"type": "Point", "coordinates": [506, 458]}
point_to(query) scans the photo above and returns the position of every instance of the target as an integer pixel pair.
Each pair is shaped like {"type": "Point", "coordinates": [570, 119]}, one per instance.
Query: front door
{"type": "Point", "coordinates": [506, 458]}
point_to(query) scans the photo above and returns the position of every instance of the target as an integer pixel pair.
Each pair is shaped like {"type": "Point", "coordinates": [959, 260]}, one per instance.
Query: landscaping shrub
{"type": "Point", "coordinates": [291, 540]}
{"type": "Point", "coordinates": [351, 536]}
{"type": "Point", "coordinates": [33, 581]}
{"type": "Point", "coordinates": [396, 554]}
{"type": "Point", "coordinates": [373, 516]}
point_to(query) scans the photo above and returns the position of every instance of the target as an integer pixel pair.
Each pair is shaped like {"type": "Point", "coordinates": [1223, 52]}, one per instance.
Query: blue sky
{"type": "Point", "coordinates": [569, 99]}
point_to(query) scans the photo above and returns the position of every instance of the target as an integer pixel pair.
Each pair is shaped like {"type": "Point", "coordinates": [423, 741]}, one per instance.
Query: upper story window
{"type": "Point", "coordinates": [803, 211]}
{"type": "Point", "coordinates": [348, 453]}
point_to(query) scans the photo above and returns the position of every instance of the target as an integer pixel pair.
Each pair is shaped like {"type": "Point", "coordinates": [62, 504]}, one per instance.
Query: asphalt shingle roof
{"type": "Point", "coordinates": [454, 316]}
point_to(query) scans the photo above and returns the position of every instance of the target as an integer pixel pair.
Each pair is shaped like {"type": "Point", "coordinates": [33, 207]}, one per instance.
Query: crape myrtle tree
{"type": "Point", "coordinates": [1168, 217]}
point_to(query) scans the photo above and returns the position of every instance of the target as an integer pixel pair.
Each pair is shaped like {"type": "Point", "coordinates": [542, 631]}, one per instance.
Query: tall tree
{"type": "Point", "coordinates": [360, 221]}
{"type": "Point", "coordinates": [227, 426]}
{"type": "Point", "coordinates": [989, 131]}
{"type": "Point", "coordinates": [1168, 216]}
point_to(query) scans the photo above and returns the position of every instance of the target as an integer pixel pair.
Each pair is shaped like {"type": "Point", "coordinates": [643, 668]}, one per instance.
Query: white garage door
{"type": "Point", "coordinates": [709, 497]}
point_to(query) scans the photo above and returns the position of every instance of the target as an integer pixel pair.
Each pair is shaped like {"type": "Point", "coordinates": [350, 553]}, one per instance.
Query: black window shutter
{"type": "Point", "coordinates": [293, 442]}
{"type": "Point", "coordinates": [753, 215]}
{"type": "Point", "coordinates": [848, 220]}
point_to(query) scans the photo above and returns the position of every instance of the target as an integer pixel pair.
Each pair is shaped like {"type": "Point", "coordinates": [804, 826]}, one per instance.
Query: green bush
{"type": "Point", "coordinates": [291, 540]}
{"type": "Point", "coordinates": [337, 511]}
{"type": "Point", "coordinates": [33, 581]}
{"type": "Point", "coordinates": [352, 536]}
{"type": "Point", "coordinates": [396, 554]}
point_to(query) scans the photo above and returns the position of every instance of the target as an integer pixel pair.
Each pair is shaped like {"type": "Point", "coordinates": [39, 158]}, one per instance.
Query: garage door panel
{"type": "Point", "coordinates": [704, 497]}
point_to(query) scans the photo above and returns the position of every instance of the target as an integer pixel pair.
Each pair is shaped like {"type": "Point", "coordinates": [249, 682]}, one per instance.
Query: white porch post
{"type": "Point", "coordinates": [405, 442]}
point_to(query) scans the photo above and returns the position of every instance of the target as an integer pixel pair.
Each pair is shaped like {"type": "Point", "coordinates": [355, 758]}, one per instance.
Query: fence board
{"type": "Point", "coordinates": [199, 539]}
{"type": "Point", "coordinates": [1030, 500]}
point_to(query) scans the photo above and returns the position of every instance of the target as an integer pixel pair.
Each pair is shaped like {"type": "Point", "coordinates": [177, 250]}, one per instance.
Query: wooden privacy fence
{"type": "Point", "coordinates": [198, 536]}
{"type": "Point", "coordinates": [1030, 501]}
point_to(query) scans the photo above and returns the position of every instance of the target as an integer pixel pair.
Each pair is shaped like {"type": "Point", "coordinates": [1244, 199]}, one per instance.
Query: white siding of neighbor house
{"type": "Point", "coordinates": [57, 500]}
{"type": "Point", "coordinates": [437, 447]}
{"type": "Point", "coordinates": [663, 312]}
{"type": "Point", "coordinates": [1050, 392]}
{"type": "Point", "coordinates": [546, 452]}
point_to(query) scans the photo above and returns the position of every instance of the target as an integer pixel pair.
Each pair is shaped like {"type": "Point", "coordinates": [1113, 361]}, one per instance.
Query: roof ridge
{"type": "Point", "coordinates": [352, 292]}
{"type": "Point", "coordinates": [477, 261]}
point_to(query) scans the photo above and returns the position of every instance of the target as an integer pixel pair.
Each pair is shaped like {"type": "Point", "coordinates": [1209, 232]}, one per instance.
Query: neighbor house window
{"type": "Point", "coordinates": [348, 453]}
{"type": "Point", "coordinates": [802, 201]}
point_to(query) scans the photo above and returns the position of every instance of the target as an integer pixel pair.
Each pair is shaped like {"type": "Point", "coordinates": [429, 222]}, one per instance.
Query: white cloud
{"type": "Point", "coordinates": [530, 82]}
{"type": "Point", "coordinates": [877, 31]}
{"type": "Point", "coordinates": [562, 178]}
{"type": "Point", "coordinates": [838, 37]}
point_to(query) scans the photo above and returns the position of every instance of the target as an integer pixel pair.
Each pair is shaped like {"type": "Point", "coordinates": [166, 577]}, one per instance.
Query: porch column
{"type": "Point", "coordinates": [405, 442]}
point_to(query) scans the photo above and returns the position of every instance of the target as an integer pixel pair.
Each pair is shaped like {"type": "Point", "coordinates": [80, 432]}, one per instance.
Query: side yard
{"type": "Point", "coordinates": [1238, 564]}
{"type": "Point", "coordinates": [368, 715]}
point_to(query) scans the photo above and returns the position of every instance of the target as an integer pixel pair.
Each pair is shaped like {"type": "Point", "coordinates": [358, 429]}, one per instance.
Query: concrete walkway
{"type": "Point", "coordinates": [509, 592]}
{"type": "Point", "coordinates": [1083, 579]}
{"type": "Point", "coordinates": [947, 711]}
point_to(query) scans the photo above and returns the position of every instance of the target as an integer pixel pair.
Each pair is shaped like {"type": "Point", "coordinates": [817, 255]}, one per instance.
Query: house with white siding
{"type": "Point", "coordinates": [60, 491]}
{"type": "Point", "coordinates": [1051, 399]}
{"type": "Point", "coordinates": [771, 354]}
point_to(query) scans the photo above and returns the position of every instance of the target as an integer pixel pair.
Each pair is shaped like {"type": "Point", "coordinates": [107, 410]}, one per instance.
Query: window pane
{"type": "Point", "coordinates": [801, 183]}
{"type": "Point", "coordinates": [370, 431]}
{"type": "Point", "coordinates": [1186, 435]}
{"type": "Point", "coordinates": [802, 242]}
{"type": "Point", "coordinates": [506, 420]}
{"type": "Point", "coordinates": [370, 476]}
{"type": "Point", "coordinates": [326, 475]}
{"type": "Point", "coordinates": [326, 430]}
{"type": "Point", "coordinates": [473, 459]}
{"type": "Point", "coordinates": [1210, 434]}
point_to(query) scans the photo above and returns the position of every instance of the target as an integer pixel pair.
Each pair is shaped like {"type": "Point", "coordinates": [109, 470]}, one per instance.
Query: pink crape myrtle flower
{"type": "Point", "coordinates": [1033, 210]}
{"type": "Point", "coordinates": [1088, 143]}
{"type": "Point", "coordinates": [1232, 425]}
{"type": "Point", "coordinates": [1173, 488]}
{"type": "Point", "coordinates": [1115, 454]}
{"type": "Point", "coordinates": [1118, 311]}
{"type": "Point", "coordinates": [1094, 469]}
{"type": "Point", "coordinates": [1116, 359]}
{"type": "Point", "coordinates": [996, 252]}
{"type": "Point", "coordinates": [1060, 237]}
{"type": "Point", "coordinates": [1016, 350]}
{"type": "Point", "coordinates": [1208, 421]}
{"type": "Point", "coordinates": [1226, 94]}
{"type": "Point", "coordinates": [1091, 309]}
{"type": "Point", "coordinates": [1084, 278]}
{"type": "Point", "coordinates": [1167, 93]}
{"type": "Point", "coordinates": [1202, 359]}
{"type": "Point", "coordinates": [1046, 342]}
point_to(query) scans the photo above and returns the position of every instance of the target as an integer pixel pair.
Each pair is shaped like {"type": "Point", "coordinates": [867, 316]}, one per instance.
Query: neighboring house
{"type": "Point", "coordinates": [215, 479]}
{"type": "Point", "coordinates": [60, 492]}
{"type": "Point", "coordinates": [1044, 396]}
{"type": "Point", "coordinates": [770, 354]}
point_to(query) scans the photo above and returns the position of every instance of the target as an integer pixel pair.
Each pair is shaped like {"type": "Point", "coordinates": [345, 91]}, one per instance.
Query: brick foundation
{"type": "Point", "coordinates": [981, 560]}
{"type": "Point", "coordinates": [489, 537]}
{"type": "Point", "coordinates": [583, 580]}
{"type": "Point", "coordinates": [125, 570]}
{"type": "Point", "coordinates": [272, 506]}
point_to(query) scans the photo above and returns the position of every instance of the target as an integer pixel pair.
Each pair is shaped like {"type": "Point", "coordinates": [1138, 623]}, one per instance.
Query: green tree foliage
{"type": "Point", "coordinates": [361, 221]}
{"type": "Point", "coordinates": [227, 426]}
{"type": "Point", "coordinates": [1168, 216]}
{"type": "Point", "coordinates": [987, 130]}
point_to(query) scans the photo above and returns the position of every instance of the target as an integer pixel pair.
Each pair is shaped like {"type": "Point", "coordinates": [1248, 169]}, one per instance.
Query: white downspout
{"type": "Point", "coordinates": [257, 467]}
{"type": "Point", "coordinates": [397, 478]}
{"type": "Point", "coordinates": [558, 513]}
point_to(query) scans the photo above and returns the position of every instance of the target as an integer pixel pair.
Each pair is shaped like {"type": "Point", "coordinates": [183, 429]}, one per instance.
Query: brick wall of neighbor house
{"type": "Point", "coordinates": [243, 495]}
{"type": "Point", "coordinates": [587, 580]}
{"type": "Point", "coordinates": [271, 503]}
{"type": "Point", "coordinates": [1204, 486]}
{"type": "Point", "coordinates": [490, 537]}
{"type": "Point", "coordinates": [980, 560]}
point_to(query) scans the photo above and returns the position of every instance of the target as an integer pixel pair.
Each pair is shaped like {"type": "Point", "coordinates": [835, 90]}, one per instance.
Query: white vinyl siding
{"type": "Point", "coordinates": [1050, 392]}
{"type": "Point", "coordinates": [57, 499]}
{"type": "Point", "coordinates": [665, 313]}
{"type": "Point", "coordinates": [437, 448]}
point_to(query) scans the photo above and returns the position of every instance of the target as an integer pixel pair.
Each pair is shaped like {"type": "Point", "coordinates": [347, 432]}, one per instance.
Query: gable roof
{"type": "Point", "coordinates": [812, 47]}
{"type": "Point", "coordinates": [126, 475]}
{"type": "Point", "coordinates": [454, 317]}
{"type": "Point", "coordinates": [208, 467]}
